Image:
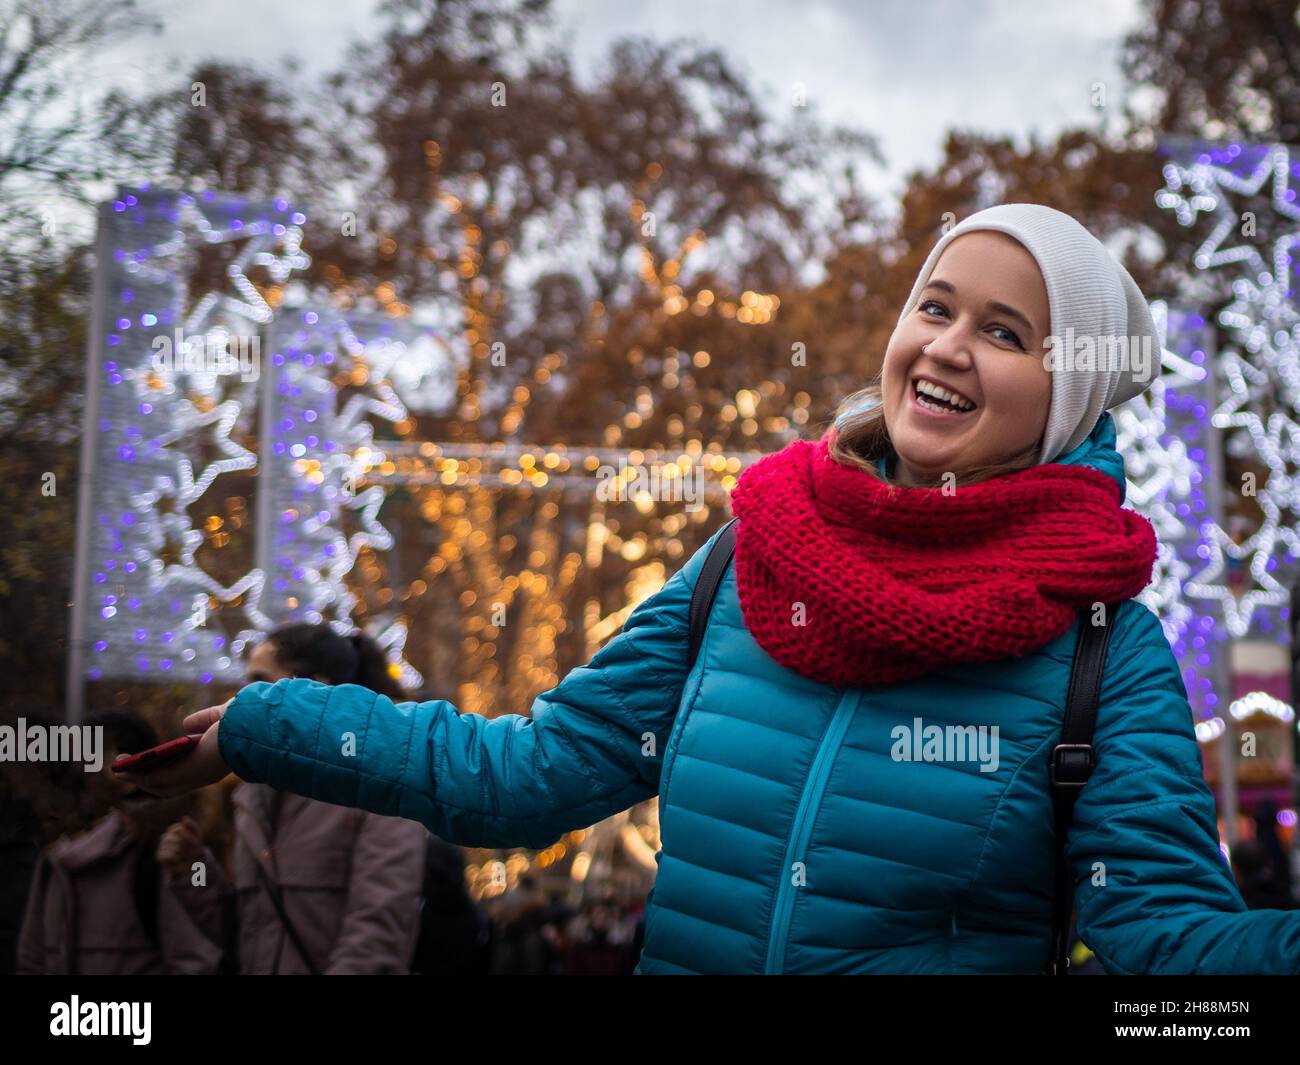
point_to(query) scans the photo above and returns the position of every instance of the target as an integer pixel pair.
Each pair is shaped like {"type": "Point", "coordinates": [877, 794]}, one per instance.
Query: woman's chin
{"type": "Point", "coordinates": [927, 458]}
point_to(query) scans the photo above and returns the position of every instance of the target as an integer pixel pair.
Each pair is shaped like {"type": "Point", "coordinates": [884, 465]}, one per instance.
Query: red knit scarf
{"type": "Point", "coordinates": [853, 582]}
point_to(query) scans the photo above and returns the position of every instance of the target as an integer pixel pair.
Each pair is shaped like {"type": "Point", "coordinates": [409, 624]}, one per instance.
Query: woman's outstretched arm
{"type": "Point", "coordinates": [592, 746]}
{"type": "Point", "coordinates": [1154, 893]}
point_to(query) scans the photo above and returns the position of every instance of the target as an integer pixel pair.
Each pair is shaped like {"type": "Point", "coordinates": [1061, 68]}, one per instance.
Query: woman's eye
{"type": "Point", "coordinates": [1012, 338]}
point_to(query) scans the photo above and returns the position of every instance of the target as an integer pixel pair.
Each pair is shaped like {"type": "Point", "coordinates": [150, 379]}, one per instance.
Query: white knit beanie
{"type": "Point", "coordinates": [1095, 304]}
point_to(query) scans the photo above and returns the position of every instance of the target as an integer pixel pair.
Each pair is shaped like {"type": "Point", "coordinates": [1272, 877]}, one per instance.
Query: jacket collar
{"type": "Point", "coordinates": [1099, 452]}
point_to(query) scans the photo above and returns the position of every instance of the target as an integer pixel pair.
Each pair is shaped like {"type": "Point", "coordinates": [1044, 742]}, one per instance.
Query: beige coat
{"type": "Point", "coordinates": [350, 881]}
{"type": "Point", "coordinates": [81, 914]}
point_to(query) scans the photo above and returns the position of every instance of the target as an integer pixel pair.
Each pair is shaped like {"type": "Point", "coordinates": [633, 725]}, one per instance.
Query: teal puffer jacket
{"type": "Point", "coordinates": [795, 839]}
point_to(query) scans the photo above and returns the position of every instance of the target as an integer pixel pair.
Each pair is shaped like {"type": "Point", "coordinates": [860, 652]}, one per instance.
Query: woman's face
{"type": "Point", "coordinates": [263, 665]}
{"type": "Point", "coordinates": [984, 318]}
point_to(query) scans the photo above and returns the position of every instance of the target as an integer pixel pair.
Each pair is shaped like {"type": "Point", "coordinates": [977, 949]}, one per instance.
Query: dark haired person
{"type": "Point", "coordinates": [99, 903]}
{"type": "Point", "coordinates": [318, 888]}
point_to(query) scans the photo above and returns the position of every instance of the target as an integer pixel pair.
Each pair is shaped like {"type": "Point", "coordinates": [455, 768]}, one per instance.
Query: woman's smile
{"type": "Point", "coordinates": [936, 400]}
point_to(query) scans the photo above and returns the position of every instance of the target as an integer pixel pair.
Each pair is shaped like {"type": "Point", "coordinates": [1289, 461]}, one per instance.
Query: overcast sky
{"type": "Point", "coordinates": [905, 70]}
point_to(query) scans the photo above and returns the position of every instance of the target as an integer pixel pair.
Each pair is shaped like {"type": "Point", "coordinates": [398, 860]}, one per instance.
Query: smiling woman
{"type": "Point", "coordinates": [966, 391]}
{"type": "Point", "coordinates": [962, 340]}
{"type": "Point", "coordinates": [799, 834]}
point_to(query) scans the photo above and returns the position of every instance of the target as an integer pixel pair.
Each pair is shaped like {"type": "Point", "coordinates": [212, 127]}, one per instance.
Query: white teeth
{"type": "Point", "coordinates": [928, 405]}
{"type": "Point", "coordinates": [954, 398]}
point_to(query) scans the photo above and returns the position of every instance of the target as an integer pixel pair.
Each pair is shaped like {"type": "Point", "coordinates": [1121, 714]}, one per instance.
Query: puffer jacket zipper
{"type": "Point", "coordinates": [801, 831]}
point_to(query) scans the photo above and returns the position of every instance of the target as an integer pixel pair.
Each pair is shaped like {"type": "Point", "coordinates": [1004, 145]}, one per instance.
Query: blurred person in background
{"type": "Point", "coordinates": [598, 941]}
{"type": "Point", "coordinates": [1266, 822]}
{"type": "Point", "coordinates": [455, 934]}
{"type": "Point", "coordinates": [318, 888]}
{"type": "Point", "coordinates": [527, 942]}
{"type": "Point", "coordinates": [39, 803]}
{"type": "Point", "coordinates": [20, 849]}
{"type": "Point", "coordinates": [99, 902]}
{"type": "Point", "coordinates": [1261, 865]}
{"type": "Point", "coordinates": [1256, 877]}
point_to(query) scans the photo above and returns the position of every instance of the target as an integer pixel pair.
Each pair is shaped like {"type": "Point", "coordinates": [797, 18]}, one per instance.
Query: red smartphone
{"type": "Point", "coordinates": [156, 756]}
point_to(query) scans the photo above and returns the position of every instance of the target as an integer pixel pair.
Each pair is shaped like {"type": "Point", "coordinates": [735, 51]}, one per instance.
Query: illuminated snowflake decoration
{"type": "Point", "coordinates": [165, 416]}
{"type": "Point", "coordinates": [1260, 371]}
{"type": "Point", "coordinates": [178, 381]}
{"type": "Point", "coordinates": [319, 451]}
{"type": "Point", "coordinates": [1163, 435]}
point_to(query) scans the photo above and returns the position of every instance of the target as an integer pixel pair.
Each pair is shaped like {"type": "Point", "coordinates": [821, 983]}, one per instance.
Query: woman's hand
{"type": "Point", "coordinates": [180, 847]}
{"type": "Point", "coordinates": [201, 767]}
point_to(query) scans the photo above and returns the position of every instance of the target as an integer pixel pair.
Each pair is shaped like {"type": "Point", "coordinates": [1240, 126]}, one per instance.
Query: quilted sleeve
{"type": "Point", "coordinates": [589, 748]}
{"type": "Point", "coordinates": [1154, 893]}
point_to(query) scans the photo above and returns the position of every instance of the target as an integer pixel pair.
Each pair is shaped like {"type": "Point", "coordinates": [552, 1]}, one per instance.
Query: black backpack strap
{"type": "Point", "coordinates": [1071, 764]}
{"type": "Point", "coordinates": [706, 586]}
